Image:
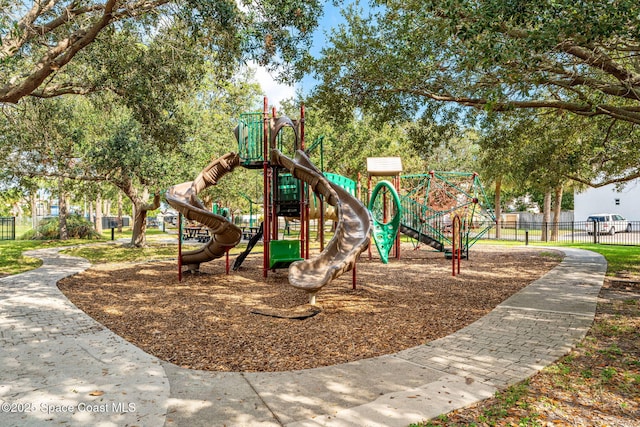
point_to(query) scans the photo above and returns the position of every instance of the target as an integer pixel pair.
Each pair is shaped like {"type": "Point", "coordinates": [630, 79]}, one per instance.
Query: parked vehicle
{"type": "Point", "coordinates": [606, 223]}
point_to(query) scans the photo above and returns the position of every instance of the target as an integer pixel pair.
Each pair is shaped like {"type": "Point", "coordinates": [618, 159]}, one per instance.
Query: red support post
{"type": "Point", "coordinates": [369, 191]}
{"type": "Point", "coordinates": [179, 247]}
{"type": "Point", "coordinates": [265, 189]}
{"type": "Point", "coordinates": [397, 187]}
{"type": "Point", "coordinates": [353, 277]}
{"type": "Point", "coordinates": [307, 224]}
{"type": "Point", "coordinates": [303, 223]}
{"type": "Point", "coordinates": [455, 247]}
{"type": "Point", "coordinates": [321, 222]}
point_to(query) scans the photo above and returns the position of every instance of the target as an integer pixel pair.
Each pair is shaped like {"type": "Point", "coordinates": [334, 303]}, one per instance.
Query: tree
{"type": "Point", "coordinates": [39, 141]}
{"type": "Point", "coordinates": [494, 56]}
{"type": "Point", "coordinates": [40, 40]}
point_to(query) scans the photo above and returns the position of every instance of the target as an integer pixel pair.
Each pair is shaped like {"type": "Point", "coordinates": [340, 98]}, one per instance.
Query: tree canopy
{"type": "Point", "coordinates": [497, 55]}
{"type": "Point", "coordinates": [39, 40]}
{"type": "Point", "coordinates": [579, 57]}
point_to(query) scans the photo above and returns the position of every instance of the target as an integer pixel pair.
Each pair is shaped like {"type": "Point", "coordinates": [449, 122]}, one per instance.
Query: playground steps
{"type": "Point", "coordinates": [423, 238]}
{"type": "Point", "coordinates": [448, 254]}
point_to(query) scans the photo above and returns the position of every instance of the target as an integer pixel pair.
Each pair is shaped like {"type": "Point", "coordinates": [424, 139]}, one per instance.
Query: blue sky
{"type": "Point", "coordinates": [277, 92]}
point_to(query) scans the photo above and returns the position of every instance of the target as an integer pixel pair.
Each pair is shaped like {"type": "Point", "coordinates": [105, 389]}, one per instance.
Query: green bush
{"type": "Point", "coordinates": [49, 229]}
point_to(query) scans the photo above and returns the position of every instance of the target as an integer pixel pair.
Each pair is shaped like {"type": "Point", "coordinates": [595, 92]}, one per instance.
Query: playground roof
{"type": "Point", "coordinates": [384, 166]}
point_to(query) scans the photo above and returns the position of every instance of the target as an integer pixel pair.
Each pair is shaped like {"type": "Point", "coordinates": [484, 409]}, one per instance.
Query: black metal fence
{"type": "Point", "coordinates": [7, 228]}
{"type": "Point", "coordinates": [614, 233]}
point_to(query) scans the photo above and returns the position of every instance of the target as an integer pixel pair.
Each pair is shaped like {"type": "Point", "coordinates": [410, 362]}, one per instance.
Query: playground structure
{"type": "Point", "coordinates": [262, 145]}
{"type": "Point", "coordinates": [183, 198]}
{"type": "Point", "coordinates": [438, 209]}
{"type": "Point", "coordinates": [447, 211]}
{"type": "Point", "coordinates": [430, 202]}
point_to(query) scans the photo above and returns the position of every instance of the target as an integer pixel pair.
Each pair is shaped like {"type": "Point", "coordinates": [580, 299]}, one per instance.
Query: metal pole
{"type": "Point", "coordinates": [369, 190]}
{"type": "Point", "coordinates": [307, 224]}
{"type": "Point", "coordinates": [321, 220]}
{"type": "Point", "coordinates": [397, 186]}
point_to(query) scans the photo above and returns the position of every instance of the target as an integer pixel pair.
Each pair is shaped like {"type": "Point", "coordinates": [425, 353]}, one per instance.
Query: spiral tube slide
{"type": "Point", "coordinates": [183, 198]}
{"type": "Point", "coordinates": [352, 234]}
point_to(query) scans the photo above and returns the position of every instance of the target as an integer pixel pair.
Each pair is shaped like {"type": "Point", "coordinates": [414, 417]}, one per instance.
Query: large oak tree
{"type": "Point", "coordinates": [580, 57]}
{"type": "Point", "coordinates": [39, 39]}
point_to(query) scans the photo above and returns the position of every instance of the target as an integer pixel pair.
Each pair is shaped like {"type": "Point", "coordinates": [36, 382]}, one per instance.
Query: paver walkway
{"type": "Point", "coordinates": [60, 367]}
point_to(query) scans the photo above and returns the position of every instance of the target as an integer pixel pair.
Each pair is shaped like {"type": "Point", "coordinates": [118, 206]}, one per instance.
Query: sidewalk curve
{"type": "Point", "coordinates": [59, 366]}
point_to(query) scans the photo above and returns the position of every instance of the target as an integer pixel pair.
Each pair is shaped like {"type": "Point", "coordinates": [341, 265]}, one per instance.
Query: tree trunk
{"type": "Point", "coordinates": [119, 212]}
{"type": "Point", "coordinates": [34, 209]}
{"type": "Point", "coordinates": [498, 208]}
{"type": "Point", "coordinates": [92, 217]}
{"type": "Point", "coordinates": [138, 236]}
{"type": "Point", "coordinates": [546, 216]}
{"type": "Point", "coordinates": [557, 209]}
{"type": "Point", "coordinates": [62, 211]}
{"type": "Point", "coordinates": [99, 213]}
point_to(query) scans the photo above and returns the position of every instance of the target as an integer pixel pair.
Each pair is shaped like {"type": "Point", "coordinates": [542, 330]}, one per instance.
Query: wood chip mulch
{"type": "Point", "coordinates": [213, 321]}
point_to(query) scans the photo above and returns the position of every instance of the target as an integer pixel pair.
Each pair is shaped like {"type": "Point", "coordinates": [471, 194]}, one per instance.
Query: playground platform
{"type": "Point", "coordinates": [59, 366]}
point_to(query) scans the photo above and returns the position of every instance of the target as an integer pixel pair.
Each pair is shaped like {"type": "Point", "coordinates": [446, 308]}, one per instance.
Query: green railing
{"type": "Point", "coordinates": [250, 137]}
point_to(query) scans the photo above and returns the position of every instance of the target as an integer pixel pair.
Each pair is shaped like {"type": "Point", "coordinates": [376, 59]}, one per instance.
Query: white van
{"type": "Point", "coordinates": [607, 223]}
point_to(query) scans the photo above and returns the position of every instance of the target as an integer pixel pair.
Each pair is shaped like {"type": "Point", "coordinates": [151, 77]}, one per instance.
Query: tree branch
{"type": "Point", "coordinates": [595, 57]}
{"type": "Point", "coordinates": [627, 114]}
{"type": "Point", "coordinates": [626, 178]}
{"type": "Point", "coordinates": [65, 49]}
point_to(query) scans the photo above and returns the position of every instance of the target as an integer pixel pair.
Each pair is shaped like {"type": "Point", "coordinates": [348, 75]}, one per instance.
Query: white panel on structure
{"type": "Point", "coordinates": [384, 166]}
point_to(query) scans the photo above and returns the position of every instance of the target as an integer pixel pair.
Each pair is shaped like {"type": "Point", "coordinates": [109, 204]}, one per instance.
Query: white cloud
{"type": "Point", "coordinates": [274, 91]}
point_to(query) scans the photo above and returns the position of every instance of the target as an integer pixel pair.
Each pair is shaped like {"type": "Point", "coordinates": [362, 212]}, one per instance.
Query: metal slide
{"type": "Point", "coordinates": [353, 230]}
{"type": "Point", "coordinates": [183, 198]}
{"type": "Point", "coordinates": [252, 242]}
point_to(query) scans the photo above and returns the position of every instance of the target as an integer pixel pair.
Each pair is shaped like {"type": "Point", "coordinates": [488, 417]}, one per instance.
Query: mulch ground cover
{"type": "Point", "coordinates": [242, 322]}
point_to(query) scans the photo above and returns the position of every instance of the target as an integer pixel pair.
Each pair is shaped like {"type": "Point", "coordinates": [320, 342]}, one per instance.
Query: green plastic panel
{"type": "Point", "coordinates": [283, 252]}
{"type": "Point", "coordinates": [343, 182]}
{"type": "Point", "coordinates": [250, 140]}
{"type": "Point", "coordinates": [384, 233]}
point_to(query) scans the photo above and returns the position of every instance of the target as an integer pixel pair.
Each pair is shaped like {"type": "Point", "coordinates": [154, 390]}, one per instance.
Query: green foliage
{"type": "Point", "coordinates": [498, 56]}
{"type": "Point", "coordinates": [223, 32]}
{"type": "Point", "coordinates": [48, 229]}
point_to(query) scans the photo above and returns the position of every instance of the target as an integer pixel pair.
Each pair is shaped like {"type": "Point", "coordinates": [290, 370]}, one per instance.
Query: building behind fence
{"type": "Point", "coordinates": [7, 228]}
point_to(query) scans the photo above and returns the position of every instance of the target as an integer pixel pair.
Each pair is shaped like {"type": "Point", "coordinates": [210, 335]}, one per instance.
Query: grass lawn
{"type": "Point", "coordinates": [12, 261]}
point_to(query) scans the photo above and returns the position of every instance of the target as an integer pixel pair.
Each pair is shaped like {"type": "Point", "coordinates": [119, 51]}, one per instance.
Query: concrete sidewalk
{"type": "Point", "coordinates": [59, 366]}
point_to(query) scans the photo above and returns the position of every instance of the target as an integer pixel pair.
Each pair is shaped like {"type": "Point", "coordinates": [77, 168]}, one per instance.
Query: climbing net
{"type": "Point", "coordinates": [431, 201]}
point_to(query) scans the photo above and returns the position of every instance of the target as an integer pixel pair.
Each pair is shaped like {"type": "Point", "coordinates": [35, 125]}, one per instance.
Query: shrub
{"type": "Point", "coordinates": [49, 229]}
